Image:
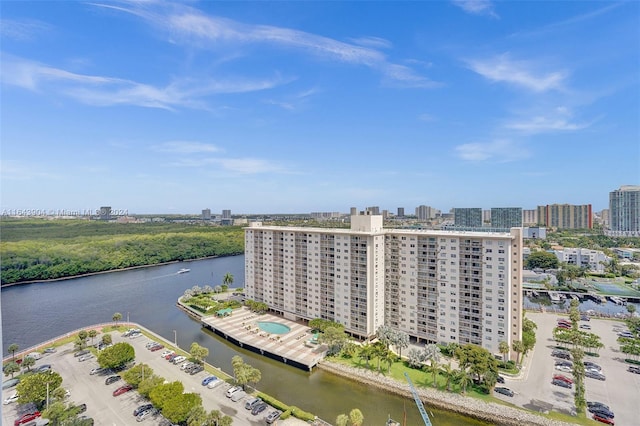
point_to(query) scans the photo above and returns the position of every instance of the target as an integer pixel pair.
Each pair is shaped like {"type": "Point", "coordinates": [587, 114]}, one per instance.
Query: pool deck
{"type": "Point", "coordinates": [242, 329]}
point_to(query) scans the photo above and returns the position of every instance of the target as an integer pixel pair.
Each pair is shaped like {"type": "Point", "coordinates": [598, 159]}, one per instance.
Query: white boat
{"type": "Point", "coordinates": [184, 270]}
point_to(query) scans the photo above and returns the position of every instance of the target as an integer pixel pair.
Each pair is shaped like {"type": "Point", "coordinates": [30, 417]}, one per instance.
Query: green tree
{"type": "Point", "coordinates": [198, 353]}
{"type": "Point", "coordinates": [137, 374]}
{"type": "Point", "coordinates": [28, 362]}
{"type": "Point", "coordinates": [433, 368]}
{"type": "Point", "coordinates": [631, 308]}
{"type": "Point", "coordinates": [490, 378]}
{"type": "Point", "coordinates": [83, 335]}
{"type": "Point", "coordinates": [244, 373]}
{"type": "Point", "coordinates": [116, 355]}
{"type": "Point", "coordinates": [12, 368]}
{"type": "Point", "coordinates": [149, 383]}
{"type": "Point", "coordinates": [33, 388]}
{"type": "Point", "coordinates": [334, 338]}
{"type": "Point", "coordinates": [116, 317]}
{"type": "Point", "coordinates": [177, 408]}
{"type": "Point", "coordinates": [542, 260]}
{"type": "Point", "coordinates": [342, 420]}
{"type": "Point", "coordinates": [197, 417]}
{"type": "Point", "coordinates": [58, 414]}
{"type": "Point", "coordinates": [503, 348]}
{"type": "Point", "coordinates": [355, 417]}
{"type": "Point", "coordinates": [448, 372]}
{"type": "Point", "coordinates": [386, 335]}
{"type": "Point", "coordinates": [106, 339]}
{"type": "Point", "coordinates": [227, 279]}
{"type": "Point", "coordinates": [161, 394]}
{"type": "Point", "coordinates": [518, 348]}
{"type": "Point", "coordinates": [13, 348]}
{"type": "Point", "coordinates": [92, 334]}
{"type": "Point", "coordinates": [366, 353]}
{"type": "Point", "coordinates": [463, 379]}
{"type": "Point", "coordinates": [400, 341]}
{"type": "Point", "coordinates": [415, 358]}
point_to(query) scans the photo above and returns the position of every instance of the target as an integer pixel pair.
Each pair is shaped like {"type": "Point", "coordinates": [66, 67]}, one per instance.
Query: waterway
{"type": "Point", "coordinates": [33, 313]}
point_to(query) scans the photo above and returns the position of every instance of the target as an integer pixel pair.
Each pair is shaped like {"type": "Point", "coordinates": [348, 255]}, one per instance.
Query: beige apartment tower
{"type": "Point", "coordinates": [437, 286]}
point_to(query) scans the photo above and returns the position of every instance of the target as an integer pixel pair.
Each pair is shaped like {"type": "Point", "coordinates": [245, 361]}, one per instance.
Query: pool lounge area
{"type": "Point", "coordinates": [269, 335]}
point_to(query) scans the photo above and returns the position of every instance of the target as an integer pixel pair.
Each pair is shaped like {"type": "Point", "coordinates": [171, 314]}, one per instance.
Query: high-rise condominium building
{"type": "Point", "coordinates": [624, 210]}
{"type": "Point", "coordinates": [426, 212]}
{"type": "Point", "coordinates": [226, 214]}
{"type": "Point", "coordinates": [206, 214]}
{"type": "Point", "coordinates": [506, 217]}
{"type": "Point", "coordinates": [467, 217]}
{"type": "Point", "coordinates": [400, 211]}
{"type": "Point", "coordinates": [529, 217]}
{"type": "Point", "coordinates": [437, 286]}
{"type": "Point", "coordinates": [566, 216]}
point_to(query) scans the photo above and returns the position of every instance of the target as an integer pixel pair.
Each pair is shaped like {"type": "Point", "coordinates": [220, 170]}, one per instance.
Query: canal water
{"type": "Point", "coordinates": [33, 313]}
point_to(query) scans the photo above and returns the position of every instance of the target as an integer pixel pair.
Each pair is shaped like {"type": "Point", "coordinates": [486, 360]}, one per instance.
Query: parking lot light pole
{"type": "Point", "coordinates": [175, 338]}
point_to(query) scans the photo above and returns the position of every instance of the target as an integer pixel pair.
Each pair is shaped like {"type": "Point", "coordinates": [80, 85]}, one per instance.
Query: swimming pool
{"type": "Point", "coordinates": [273, 327]}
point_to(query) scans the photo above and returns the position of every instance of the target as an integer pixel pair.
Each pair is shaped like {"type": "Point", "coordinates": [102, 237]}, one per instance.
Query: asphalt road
{"type": "Point", "coordinates": [106, 409]}
{"type": "Point", "coordinates": [620, 390]}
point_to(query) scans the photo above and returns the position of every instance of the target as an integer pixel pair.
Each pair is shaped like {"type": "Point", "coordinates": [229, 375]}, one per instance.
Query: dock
{"type": "Point", "coordinates": [296, 347]}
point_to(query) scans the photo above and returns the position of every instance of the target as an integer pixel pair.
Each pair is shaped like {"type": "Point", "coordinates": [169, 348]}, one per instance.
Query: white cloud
{"type": "Point", "coordinates": [108, 91]}
{"type": "Point", "coordinates": [22, 30]}
{"type": "Point", "coordinates": [186, 147]}
{"type": "Point", "coordinates": [557, 120]}
{"type": "Point", "coordinates": [243, 166]}
{"type": "Point", "coordinates": [499, 150]}
{"type": "Point", "coordinates": [426, 117]}
{"type": "Point", "coordinates": [518, 73]}
{"type": "Point", "coordinates": [476, 7]}
{"type": "Point", "coordinates": [17, 170]}
{"type": "Point", "coordinates": [191, 26]}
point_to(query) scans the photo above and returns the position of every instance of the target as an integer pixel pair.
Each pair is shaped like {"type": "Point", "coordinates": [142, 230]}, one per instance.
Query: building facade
{"type": "Point", "coordinates": [467, 217]}
{"type": "Point", "coordinates": [437, 286]}
{"type": "Point", "coordinates": [506, 217]}
{"type": "Point", "coordinates": [624, 211]}
{"type": "Point", "coordinates": [426, 212]}
{"type": "Point", "coordinates": [529, 217]}
{"type": "Point", "coordinates": [565, 216]}
{"type": "Point", "coordinates": [593, 260]}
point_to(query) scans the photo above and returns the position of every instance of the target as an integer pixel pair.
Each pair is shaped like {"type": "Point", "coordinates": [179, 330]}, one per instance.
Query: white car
{"type": "Point", "coordinates": [165, 353]}
{"type": "Point", "coordinates": [177, 360]}
{"type": "Point", "coordinates": [85, 357]}
{"type": "Point", "coordinates": [233, 390]}
{"type": "Point", "coordinates": [12, 398]}
{"type": "Point", "coordinates": [215, 383]}
{"type": "Point", "coordinates": [564, 368]}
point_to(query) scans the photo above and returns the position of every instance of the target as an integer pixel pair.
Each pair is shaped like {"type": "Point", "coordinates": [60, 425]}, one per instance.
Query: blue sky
{"type": "Point", "coordinates": [155, 107]}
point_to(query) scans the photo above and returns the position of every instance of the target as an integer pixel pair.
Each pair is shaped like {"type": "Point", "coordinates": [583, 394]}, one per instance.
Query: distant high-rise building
{"type": "Point", "coordinates": [206, 214]}
{"type": "Point", "coordinates": [400, 211]}
{"type": "Point", "coordinates": [226, 214]}
{"type": "Point", "coordinates": [486, 217]}
{"type": "Point", "coordinates": [566, 216]}
{"type": "Point", "coordinates": [506, 217]}
{"type": "Point", "coordinates": [624, 211]}
{"type": "Point", "coordinates": [604, 218]}
{"type": "Point", "coordinates": [105, 213]}
{"type": "Point", "coordinates": [374, 210]}
{"type": "Point", "coordinates": [385, 214]}
{"type": "Point", "coordinates": [426, 212]}
{"type": "Point", "coordinates": [529, 217]}
{"type": "Point", "coordinates": [353, 211]}
{"type": "Point", "coordinates": [467, 217]}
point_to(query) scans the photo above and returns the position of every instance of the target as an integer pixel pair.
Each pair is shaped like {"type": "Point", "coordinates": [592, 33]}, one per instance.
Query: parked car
{"type": "Point", "coordinates": [594, 375]}
{"type": "Point", "coordinates": [171, 357]}
{"type": "Point", "coordinates": [141, 409]}
{"type": "Point", "coordinates": [43, 368]}
{"type": "Point", "coordinates": [561, 354]}
{"type": "Point", "coordinates": [563, 378]}
{"type": "Point", "coordinates": [603, 412]}
{"type": "Point", "coordinates": [564, 368]}
{"type": "Point", "coordinates": [50, 350]}
{"type": "Point", "coordinates": [273, 416]}
{"type": "Point", "coordinates": [634, 369]}
{"type": "Point", "coordinates": [504, 391]}
{"type": "Point", "coordinates": [26, 417]}
{"type": "Point", "coordinates": [111, 379]}
{"type": "Point", "coordinates": [165, 353]}
{"type": "Point", "coordinates": [147, 413]}
{"type": "Point", "coordinates": [237, 396]}
{"type": "Point", "coordinates": [561, 383]}
{"type": "Point", "coordinates": [196, 369]}
{"type": "Point", "coordinates": [605, 420]}
{"type": "Point", "coordinates": [177, 360]}
{"type": "Point", "coordinates": [10, 383]}
{"type": "Point", "coordinates": [122, 389]}
{"type": "Point", "coordinates": [591, 366]}
{"type": "Point", "coordinates": [208, 380]}
{"type": "Point", "coordinates": [10, 399]}
{"type": "Point", "coordinates": [186, 365]}
{"type": "Point", "coordinates": [151, 344]}
{"type": "Point", "coordinates": [97, 370]}
{"type": "Point", "coordinates": [85, 357]}
{"type": "Point", "coordinates": [585, 326]}
{"type": "Point", "coordinates": [214, 383]}
{"type": "Point", "coordinates": [233, 390]}
{"type": "Point", "coordinates": [81, 353]}
{"type": "Point", "coordinates": [259, 408]}
{"type": "Point", "coordinates": [585, 318]}
{"type": "Point", "coordinates": [626, 334]}
{"type": "Point", "coordinates": [252, 403]}
{"type": "Point", "coordinates": [156, 348]}
{"type": "Point", "coordinates": [594, 405]}
{"type": "Point", "coordinates": [500, 379]}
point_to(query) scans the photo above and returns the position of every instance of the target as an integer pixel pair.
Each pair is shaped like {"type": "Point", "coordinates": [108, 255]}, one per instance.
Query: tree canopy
{"type": "Point", "coordinates": [116, 355]}
{"type": "Point", "coordinates": [542, 260]}
{"type": "Point", "coordinates": [33, 388]}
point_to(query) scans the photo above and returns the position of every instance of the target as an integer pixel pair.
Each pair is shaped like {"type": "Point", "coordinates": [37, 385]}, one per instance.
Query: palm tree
{"type": "Point", "coordinates": [518, 348]}
{"type": "Point", "coordinates": [227, 279]}
{"type": "Point", "coordinates": [11, 368]}
{"type": "Point", "coordinates": [448, 373]}
{"type": "Point", "coordinates": [434, 368]}
{"type": "Point", "coordinates": [490, 380]}
{"type": "Point", "coordinates": [464, 379]}
{"type": "Point", "coordinates": [28, 362]}
{"type": "Point", "coordinates": [366, 353]}
{"type": "Point", "coordinates": [92, 334]}
{"type": "Point", "coordinates": [342, 420]}
{"type": "Point", "coordinates": [503, 348]}
{"type": "Point", "coordinates": [356, 417]}
{"type": "Point", "coordinates": [13, 348]}
{"type": "Point", "coordinates": [116, 317]}
{"type": "Point", "coordinates": [401, 342]}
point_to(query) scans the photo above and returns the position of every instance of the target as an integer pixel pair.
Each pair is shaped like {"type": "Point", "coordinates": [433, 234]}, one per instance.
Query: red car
{"type": "Point", "coordinates": [602, 419]}
{"type": "Point", "coordinates": [563, 378]}
{"type": "Point", "coordinates": [122, 389]}
{"type": "Point", "coordinates": [157, 348]}
{"type": "Point", "coordinates": [26, 418]}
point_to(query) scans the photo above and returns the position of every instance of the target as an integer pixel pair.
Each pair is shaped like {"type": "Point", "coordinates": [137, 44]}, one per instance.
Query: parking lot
{"type": "Point", "coordinates": [106, 409]}
{"type": "Point", "coordinates": [620, 390]}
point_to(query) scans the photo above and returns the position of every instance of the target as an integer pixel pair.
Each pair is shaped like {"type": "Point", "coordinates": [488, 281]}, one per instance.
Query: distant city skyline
{"type": "Point", "coordinates": [297, 107]}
